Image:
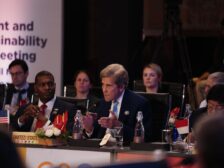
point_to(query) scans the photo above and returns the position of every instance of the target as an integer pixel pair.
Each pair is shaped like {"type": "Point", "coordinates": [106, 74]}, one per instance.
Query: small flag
{"type": "Point", "coordinates": [182, 126]}
{"type": "Point", "coordinates": [4, 117]}
{"type": "Point", "coordinates": [60, 121]}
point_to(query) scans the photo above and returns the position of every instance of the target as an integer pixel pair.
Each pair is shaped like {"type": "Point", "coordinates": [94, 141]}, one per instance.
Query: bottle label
{"type": "Point", "coordinates": [138, 139]}
{"type": "Point", "coordinates": [77, 136]}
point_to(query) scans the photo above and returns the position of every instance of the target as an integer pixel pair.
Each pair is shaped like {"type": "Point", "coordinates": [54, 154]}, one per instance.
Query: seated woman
{"type": "Point", "coordinates": [152, 77]}
{"type": "Point", "coordinates": [83, 85]}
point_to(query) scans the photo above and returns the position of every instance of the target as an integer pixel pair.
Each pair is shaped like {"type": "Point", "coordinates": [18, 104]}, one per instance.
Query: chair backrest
{"type": "Point", "coordinates": [160, 104]}
{"type": "Point", "coordinates": [80, 104]}
{"type": "Point", "coordinates": [177, 90]}
{"type": "Point", "coordinates": [138, 86]}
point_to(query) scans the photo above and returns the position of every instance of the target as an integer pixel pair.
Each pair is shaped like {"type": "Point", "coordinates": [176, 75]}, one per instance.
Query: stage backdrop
{"type": "Point", "coordinates": [32, 30]}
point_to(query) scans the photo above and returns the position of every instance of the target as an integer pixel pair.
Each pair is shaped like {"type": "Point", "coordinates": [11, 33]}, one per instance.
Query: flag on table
{"type": "Point", "coordinates": [4, 117]}
{"type": "Point", "coordinates": [60, 121]}
{"type": "Point", "coordinates": [182, 126]}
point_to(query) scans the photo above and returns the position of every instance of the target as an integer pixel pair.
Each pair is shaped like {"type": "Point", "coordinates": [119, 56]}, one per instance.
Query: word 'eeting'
{"type": "Point", "coordinates": [30, 57]}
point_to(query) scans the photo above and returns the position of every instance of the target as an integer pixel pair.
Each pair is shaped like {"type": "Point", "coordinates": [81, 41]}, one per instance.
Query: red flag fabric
{"type": "Point", "coordinates": [60, 121]}
{"type": "Point", "coordinates": [182, 126]}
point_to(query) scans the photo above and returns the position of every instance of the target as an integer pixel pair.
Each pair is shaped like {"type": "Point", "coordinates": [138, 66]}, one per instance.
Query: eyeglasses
{"type": "Point", "coordinates": [215, 107]}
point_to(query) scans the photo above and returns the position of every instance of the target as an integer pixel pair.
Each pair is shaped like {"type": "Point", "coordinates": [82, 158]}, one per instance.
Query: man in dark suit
{"type": "Point", "coordinates": [19, 92]}
{"type": "Point", "coordinates": [19, 89]}
{"type": "Point", "coordinates": [31, 117]}
{"type": "Point", "coordinates": [114, 80]}
{"type": "Point", "coordinates": [215, 99]}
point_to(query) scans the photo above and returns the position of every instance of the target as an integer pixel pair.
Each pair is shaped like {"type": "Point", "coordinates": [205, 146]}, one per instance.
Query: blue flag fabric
{"type": "Point", "coordinates": [4, 117]}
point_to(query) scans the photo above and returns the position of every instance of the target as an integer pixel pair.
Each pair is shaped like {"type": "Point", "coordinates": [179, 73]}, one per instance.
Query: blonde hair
{"type": "Point", "coordinates": [156, 68]}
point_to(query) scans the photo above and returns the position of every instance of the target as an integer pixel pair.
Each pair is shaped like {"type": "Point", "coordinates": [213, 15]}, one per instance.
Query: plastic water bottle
{"type": "Point", "coordinates": [139, 129]}
{"type": "Point", "coordinates": [188, 111]}
{"type": "Point", "coordinates": [77, 128]}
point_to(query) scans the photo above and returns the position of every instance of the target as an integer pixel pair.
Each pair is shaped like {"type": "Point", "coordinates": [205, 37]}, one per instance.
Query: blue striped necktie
{"type": "Point", "coordinates": [115, 108]}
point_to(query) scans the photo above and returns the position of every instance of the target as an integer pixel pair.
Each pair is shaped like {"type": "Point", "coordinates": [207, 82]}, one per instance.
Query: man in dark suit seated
{"type": "Point", "coordinates": [215, 99]}
{"type": "Point", "coordinates": [19, 92]}
{"type": "Point", "coordinates": [31, 117]}
{"type": "Point", "coordinates": [114, 80]}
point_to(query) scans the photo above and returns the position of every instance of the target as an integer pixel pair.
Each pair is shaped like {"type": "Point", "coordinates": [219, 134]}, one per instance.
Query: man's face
{"type": "Point", "coordinates": [18, 76]}
{"type": "Point", "coordinates": [214, 106]}
{"type": "Point", "coordinates": [111, 90]}
{"type": "Point", "coordinates": [45, 88]}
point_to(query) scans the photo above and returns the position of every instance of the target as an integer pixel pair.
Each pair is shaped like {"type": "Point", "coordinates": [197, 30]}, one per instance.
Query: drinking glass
{"type": "Point", "coordinates": [167, 136]}
{"type": "Point", "coordinates": [118, 135]}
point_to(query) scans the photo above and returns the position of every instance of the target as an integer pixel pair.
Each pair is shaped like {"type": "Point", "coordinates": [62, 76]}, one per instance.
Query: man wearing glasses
{"type": "Point", "coordinates": [213, 79]}
{"type": "Point", "coordinates": [19, 92]}
{"type": "Point", "coordinates": [215, 103]}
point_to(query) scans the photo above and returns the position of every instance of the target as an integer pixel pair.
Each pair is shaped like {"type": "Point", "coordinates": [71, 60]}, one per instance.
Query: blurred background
{"type": "Point", "coordinates": [100, 32]}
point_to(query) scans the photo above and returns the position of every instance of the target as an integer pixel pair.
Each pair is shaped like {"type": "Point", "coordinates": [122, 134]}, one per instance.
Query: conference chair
{"type": "Point", "coordinates": [177, 90]}
{"type": "Point", "coordinates": [81, 104]}
{"type": "Point", "coordinates": [160, 104]}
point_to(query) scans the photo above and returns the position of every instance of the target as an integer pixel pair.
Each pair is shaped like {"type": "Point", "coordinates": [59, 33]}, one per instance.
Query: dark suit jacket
{"type": "Point", "coordinates": [131, 102]}
{"type": "Point", "coordinates": [30, 92]}
{"type": "Point", "coordinates": [9, 94]}
{"type": "Point", "coordinates": [196, 115]}
{"type": "Point", "coordinates": [62, 106]}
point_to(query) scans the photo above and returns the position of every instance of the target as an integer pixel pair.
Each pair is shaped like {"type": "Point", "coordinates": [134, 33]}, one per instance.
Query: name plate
{"type": "Point", "coordinates": [26, 138]}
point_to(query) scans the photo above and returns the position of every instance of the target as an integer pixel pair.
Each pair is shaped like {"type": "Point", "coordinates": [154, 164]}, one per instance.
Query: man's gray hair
{"type": "Point", "coordinates": [117, 72]}
{"type": "Point", "coordinates": [217, 77]}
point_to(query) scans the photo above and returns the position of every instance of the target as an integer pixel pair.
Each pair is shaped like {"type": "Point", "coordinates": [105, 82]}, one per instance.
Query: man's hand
{"type": "Point", "coordinates": [30, 111]}
{"type": "Point", "coordinates": [109, 122]}
{"type": "Point", "coordinates": [41, 117]}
